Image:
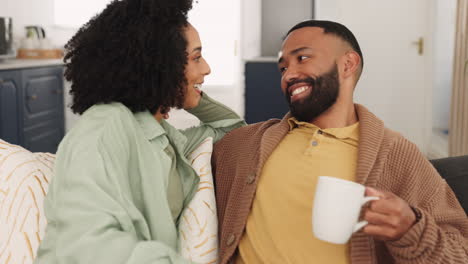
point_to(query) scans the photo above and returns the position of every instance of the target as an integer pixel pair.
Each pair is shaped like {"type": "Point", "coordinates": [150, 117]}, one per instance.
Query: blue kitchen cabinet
{"type": "Point", "coordinates": [10, 88]}
{"type": "Point", "coordinates": [263, 96]}
{"type": "Point", "coordinates": [36, 121]}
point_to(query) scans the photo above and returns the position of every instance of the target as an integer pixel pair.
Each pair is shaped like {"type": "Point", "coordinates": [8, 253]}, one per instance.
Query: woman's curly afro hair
{"type": "Point", "coordinates": [134, 52]}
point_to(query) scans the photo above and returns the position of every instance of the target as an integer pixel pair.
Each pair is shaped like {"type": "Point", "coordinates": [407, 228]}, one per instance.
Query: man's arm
{"type": "Point", "coordinates": [419, 217]}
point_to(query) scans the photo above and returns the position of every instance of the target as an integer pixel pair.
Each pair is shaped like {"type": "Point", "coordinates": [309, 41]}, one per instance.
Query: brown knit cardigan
{"type": "Point", "coordinates": [386, 161]}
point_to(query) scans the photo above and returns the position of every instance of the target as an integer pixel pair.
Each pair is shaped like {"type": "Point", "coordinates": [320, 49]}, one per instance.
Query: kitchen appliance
{"type": "Point", "coordinates": [35, 45]}
{"type": "Point", "coordinates": [35, 39]}
{"type": "Point", "coordinates": [36, 32]}
{"type": "Point", "coordinates": [6, 38]}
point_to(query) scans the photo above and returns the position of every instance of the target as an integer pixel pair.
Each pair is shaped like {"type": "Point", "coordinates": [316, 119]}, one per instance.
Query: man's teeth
{"type": "Point", "coordinates": [300, 90]}
{"type": "Point", "coordinates": [197, 86]}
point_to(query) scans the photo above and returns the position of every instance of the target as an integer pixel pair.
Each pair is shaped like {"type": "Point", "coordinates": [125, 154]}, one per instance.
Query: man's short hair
{"type": "Point", "coordinates": [337, 29]}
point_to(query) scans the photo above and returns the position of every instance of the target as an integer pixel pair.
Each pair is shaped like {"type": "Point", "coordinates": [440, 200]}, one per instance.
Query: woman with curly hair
{"type": "Point", "coordinates": [121, 174]}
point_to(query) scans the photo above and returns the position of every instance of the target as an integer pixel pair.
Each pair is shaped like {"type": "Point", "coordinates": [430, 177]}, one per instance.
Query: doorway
{"type": "Point", "coordinates": [444, 45]}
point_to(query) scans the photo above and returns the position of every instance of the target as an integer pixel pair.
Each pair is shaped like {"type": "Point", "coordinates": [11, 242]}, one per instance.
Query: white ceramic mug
{"type": "Point", "coordinates": [336, 210]}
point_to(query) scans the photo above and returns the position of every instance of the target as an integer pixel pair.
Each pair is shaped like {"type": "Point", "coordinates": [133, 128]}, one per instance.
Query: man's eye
{"type": "Point", "coordinates": [282, 69]}
{"type": "Point", "coordinates": [301, 58]}
{"type": "Point", "coordinates": [197, 59]}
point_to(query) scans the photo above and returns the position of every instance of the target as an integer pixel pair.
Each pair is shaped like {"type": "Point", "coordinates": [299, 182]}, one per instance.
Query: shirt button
{"type": "Point", "coordinates": [314, 143]}
{"type": "Point", "coordinates": [231, 240]}
{"type": "Point", "coordinates": [251, 178]}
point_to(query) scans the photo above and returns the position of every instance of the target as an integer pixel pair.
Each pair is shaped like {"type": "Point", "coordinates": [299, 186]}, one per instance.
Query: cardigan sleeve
{"type": "Point", "coordinates": [441, 235]}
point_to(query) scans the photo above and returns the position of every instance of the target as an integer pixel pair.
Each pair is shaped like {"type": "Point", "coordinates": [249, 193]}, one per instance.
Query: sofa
{"type": "Point", "coordinates": [455, 171]}
{"type": "Point", "coordinates": [25, 177]}
{"type": "Point", "coordinates": [24, 182]}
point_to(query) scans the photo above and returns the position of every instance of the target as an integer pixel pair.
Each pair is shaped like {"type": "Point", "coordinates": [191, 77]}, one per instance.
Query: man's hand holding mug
{"type": "Point", "coordinates": [389, 218]}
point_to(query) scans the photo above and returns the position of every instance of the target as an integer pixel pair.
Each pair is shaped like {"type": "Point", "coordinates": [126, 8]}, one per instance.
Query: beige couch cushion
{"type": "Point", "coordinates": [24, 180]}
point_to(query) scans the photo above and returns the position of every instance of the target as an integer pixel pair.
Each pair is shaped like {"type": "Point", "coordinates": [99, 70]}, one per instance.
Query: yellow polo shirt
{"type": "Point", "coordinates": [279, 226]}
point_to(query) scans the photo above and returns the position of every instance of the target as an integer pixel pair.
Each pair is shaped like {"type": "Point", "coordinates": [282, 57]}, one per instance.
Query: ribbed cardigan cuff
{"type": "Point", "coordinates": [416, 241]}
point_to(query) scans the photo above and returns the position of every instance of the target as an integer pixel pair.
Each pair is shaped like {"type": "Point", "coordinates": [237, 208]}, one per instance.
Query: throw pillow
{"type": "Point", "coordinates": [24, 180]}
{"type": "Point", "coordinates": [198, 224]}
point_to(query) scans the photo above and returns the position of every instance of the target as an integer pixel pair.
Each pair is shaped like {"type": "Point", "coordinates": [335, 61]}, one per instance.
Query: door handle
{"type": "Point", "coordinates": [32, 97]}
{"type": "Point", "coordinates": [420, 44]}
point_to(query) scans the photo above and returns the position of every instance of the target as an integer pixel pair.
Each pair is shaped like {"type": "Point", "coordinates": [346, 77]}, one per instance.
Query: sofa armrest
{"type": "Point", "coordinates": [455, 171]}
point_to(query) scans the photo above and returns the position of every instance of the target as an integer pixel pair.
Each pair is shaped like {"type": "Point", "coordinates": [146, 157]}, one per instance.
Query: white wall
{"type": "Point", "coordinates": [27, 12]}
{"type": "Point", "coordinates": [251, 30]}
{"type": "Point", "coordinates": [278, 16]}
{"type": "Point", "coordinates": [444, 42]}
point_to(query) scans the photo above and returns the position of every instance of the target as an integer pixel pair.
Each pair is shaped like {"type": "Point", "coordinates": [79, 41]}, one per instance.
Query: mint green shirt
{"type": "Point", "coordinates": [175, 193]}
{"type": "Point", "coordinates": [107, 202]}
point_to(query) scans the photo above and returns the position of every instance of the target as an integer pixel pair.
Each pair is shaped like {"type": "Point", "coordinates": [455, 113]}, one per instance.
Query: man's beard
{"type": "Point", "coordinates": [325, 89]}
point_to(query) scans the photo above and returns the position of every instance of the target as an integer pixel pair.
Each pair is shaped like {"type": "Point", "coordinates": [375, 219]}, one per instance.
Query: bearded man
{"type": "Point", "coordinates": [266, 173]}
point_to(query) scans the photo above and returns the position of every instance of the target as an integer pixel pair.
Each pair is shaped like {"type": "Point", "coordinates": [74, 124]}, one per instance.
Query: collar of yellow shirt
{"type": "Point", "coordinates": [351, 131]}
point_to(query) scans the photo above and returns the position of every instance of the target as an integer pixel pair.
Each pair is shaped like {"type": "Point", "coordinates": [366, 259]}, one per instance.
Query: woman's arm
{"type": "Point", "coordinates": [216, 120]}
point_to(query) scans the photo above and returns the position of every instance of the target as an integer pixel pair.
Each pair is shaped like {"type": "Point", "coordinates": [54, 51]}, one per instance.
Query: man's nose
{"type": "Point", "coordinates": [290, 74]}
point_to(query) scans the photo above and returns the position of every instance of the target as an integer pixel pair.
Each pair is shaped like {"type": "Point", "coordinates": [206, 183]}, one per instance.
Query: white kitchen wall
{"type": "Point", "coordinates": [278, 16]}
{"type": "Point", "coordinates": [72, 13]}
{"type": "Point", "coordinates": [251, 29]}
{"type": "Point", "coordinates": [444, 38]}
{"type": "Point", "coordinates": [27, 12]}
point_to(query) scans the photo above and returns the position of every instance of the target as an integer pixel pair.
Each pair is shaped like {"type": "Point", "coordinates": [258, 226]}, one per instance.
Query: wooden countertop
{"type": "Point", "coordinates": [11, 64]}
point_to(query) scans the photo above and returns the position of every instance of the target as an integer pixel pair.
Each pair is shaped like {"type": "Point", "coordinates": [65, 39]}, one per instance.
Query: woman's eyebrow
{"type": "Point", "coordinates": [197, 49]}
